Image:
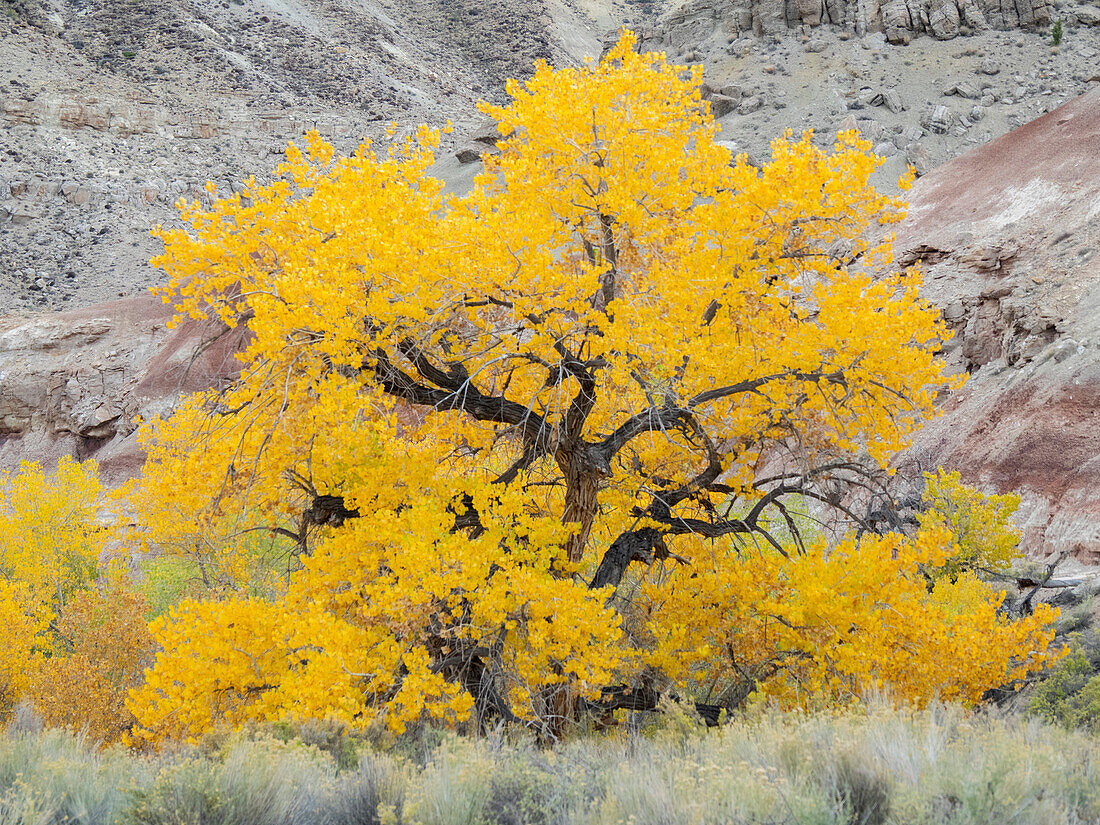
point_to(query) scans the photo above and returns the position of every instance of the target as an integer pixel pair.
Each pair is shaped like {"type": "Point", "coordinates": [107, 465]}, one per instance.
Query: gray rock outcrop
{"type": "Point", "coordinates": [899, 20]}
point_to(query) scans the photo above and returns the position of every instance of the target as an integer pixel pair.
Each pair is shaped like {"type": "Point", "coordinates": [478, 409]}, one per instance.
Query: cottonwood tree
{"type": "Point", "coordinates": [551, 444]}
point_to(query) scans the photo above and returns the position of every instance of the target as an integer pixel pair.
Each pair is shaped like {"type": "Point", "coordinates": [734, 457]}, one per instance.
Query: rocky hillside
{"type": "Point", "coordinates": [1009, 236]}
{"type": "Point", "coordinates": [899, 20]}
{"type": "Point", "coordinates": [72, 383]}
{"type": "Point", "coordinates": [112, 110]}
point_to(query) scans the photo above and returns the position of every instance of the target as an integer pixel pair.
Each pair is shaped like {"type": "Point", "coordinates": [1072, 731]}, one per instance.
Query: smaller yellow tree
{"type": "Point", "coordinates": [50, 537]}
{"type": "Point", "coordinates": [980, 525]}
{"type": "Point", "coordinates": [72, 650]}
{"type": "Point", "coordinates": [102, 643]}
{"type": "Point", "coordinates": [49, 545]}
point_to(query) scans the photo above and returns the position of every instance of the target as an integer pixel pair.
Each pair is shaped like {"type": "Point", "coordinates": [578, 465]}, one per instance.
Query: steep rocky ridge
{"type": "Point", "coordinates": [1009, 238]}
{"type": "Point", "coordinates": [112, 110]}
{"type": "Point", "coordinates": [899, 20]}
{"type": "Point", "coordinates": [921, 99]}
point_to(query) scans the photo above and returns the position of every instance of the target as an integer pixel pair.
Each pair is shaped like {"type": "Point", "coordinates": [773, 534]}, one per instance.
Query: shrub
{"type": "Point", "coordinates": [184, 794]}
{"type": "Point", "coordinates": [521, 793]}
{"type": "Point", "coordinates": [863, 792]}
{"type": "Point", "coordinates": [1069, 694]}
{"type": "Point", "coordinates": [262, 782]}
{"type": "Point", "coordinates": [941, 765]}
{"type": "Point", "coordinates": [328, 736]}
{"type": "Point", "coordinates": [370, 795]}
{"type": "Point", "coordinates": [56, 777]}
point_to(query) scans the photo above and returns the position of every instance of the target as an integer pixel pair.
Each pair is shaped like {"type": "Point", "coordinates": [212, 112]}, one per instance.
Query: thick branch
{"type": "Point", "coordinates": [655, 418]}
{"type": "Point", "coordinates": [652, 419]}
{"type": "Point", "coordinates": [633, 545]}
{"type": "Point", "coordinates": [753, 384]}
{"type": "Point", "coordinates": [584, 400]}
{"type": "Point", "coordinates": [466, 664]}
{"type": "Point", "coordinates": [453, 393]}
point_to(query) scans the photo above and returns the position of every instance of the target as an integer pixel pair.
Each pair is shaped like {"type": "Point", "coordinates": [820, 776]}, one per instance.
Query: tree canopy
{"type": "Point", "coordinates": [555, 444]}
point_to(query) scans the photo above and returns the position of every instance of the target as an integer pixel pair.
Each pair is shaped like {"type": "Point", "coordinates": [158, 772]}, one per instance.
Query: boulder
{"type": "Point", "coordinates": [1087, 15]}
{"type": "Point", "coordinates": [469, 154]}
{"type": "Point", "coordinates": [939, 120]}
{"type": "Point", "coordinates": [721, 105]}
{"type": "Point", "coordinates": [750, 105]}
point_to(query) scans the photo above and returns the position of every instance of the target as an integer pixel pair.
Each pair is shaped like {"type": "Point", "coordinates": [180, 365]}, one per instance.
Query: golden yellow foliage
{"type": "Point", "coordinates": [101, 646]}
{"type": "Point", "coordinates": [49, 545]}
{"type": "Point", "coordinates": [838, 623]}
{"type": "Point", "coordinates": [49, 535]}
{"type": "Point", "coordinates": [23, 622]}
{"type": "Point", "coordinates": [471, 422]}
{"type": "Point", "coordinates": [981, 525]}
{"type": "Point", "coordinates": [72, 651]}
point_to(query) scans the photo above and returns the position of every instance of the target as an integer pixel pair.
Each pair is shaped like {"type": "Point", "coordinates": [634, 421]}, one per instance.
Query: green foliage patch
{"type": "Point", "coordinates": [1069, 694]}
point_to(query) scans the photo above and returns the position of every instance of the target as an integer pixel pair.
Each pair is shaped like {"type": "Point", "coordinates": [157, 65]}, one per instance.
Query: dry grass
{"type": "Point", "coordinates": [875, 767]}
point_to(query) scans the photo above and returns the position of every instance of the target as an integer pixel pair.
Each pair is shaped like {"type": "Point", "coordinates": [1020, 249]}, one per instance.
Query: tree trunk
{"type": "Point", "coordinates": [582, 485]}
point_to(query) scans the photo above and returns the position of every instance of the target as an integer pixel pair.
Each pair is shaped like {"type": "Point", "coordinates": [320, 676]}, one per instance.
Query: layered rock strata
{"type": "Point", "coordinates": [1009, 238]}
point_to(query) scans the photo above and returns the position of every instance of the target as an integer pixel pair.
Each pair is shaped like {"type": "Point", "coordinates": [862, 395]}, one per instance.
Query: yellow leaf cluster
{"type": "Point", "coordinates": [349, 639]}
{"type": "Point", "coordinates": [836, 624]}
{"type": "Point", "coordinates": [50, 538]}
{"type": "Point", "coordinates": [23, 624]}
